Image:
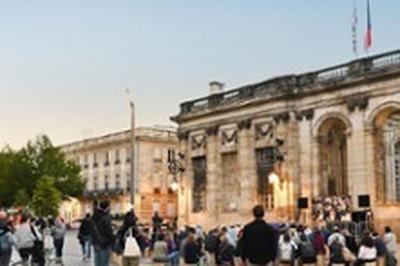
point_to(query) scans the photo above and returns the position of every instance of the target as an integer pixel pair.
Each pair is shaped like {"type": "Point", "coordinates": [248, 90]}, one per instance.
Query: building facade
{"type": "Point", "coordinates": [338, 130]}
{"type": "Point", "coordinates": [107, 168]}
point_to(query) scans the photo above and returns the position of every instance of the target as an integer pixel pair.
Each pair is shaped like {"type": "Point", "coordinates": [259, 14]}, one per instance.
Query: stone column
{"type": "Point", "coordinates": [247, 165]}
{"type": "Point", "coordinates": [356, 164]}
{"type": "Point", "coordinates": [183, 203]}
{"type": "Point", "coordinates": [213, 205]}
{"type": "Point", "coordinates": [306, 160]}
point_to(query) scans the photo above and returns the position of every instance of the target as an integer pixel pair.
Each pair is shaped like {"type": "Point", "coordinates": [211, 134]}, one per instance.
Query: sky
{"type": "Point", "coordinates": [65, 65]}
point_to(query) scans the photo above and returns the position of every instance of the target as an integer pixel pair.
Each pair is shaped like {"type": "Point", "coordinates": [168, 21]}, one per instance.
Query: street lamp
{"type": "Point", "coordinates": [133, 140]}
{"type": "Point", "coordinates": [175, 167]}
{"type": "Point", "coordinates": [273, 178]}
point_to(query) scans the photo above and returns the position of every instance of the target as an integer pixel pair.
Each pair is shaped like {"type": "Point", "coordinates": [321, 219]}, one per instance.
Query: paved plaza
{"type": "Point", "coordinates": [72, 253]}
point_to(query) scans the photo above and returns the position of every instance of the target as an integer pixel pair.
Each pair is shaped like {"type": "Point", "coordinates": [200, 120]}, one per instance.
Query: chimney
{"type": "Point", "coordinates": [216, 87]}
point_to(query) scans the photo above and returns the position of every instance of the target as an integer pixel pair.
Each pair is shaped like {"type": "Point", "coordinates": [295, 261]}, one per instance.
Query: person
{"type": "Point", "coordinates": [391, 245]}
{"type": "Point", "coordinates": [160, 250]}
{"type": "Point", "coordinates": [259, 241]}
{"type": "Point", "coordinates": [318, 241]}
{"type": "Point", "coordinates": [367, 252]}
{"type": "Point", "coordinates": [25, 239]}
{"type": "Point", "coordinates": [226, 251]}
{"type": "Point", "coordinates": [307, 254]}
{"type": "Point", "coordinates": [173, 253]}
{"type": "Point", "coordinates": [191, 250]}
{"type": "Point", "coordinates": [210, 244]}
{"type": "Point", "coordinates": [84, 237]}
{"type": "Point", "coordinates": [58, 232]}
{"type": "Point", "coordinates": [38, 255]}
{"type": "Point", "coordinates": [336, 252]}
{"type": "Point", "coordinates": [380, 248]}
{"type": "Point", "coordinates": [7, 239]}
{"type": "Point", "coordinates": [287, 250]}
{"type": "Point", "coordinates": [157, 222]}
{"type": "Point", "coordinates": [336, 235]}
{"type": "Point", "coordinates": [102, 234]}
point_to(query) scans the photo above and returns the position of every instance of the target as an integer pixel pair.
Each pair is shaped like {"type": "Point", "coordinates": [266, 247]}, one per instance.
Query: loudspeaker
{"type": "Point", "coordinates": [302, 203]}
{"type": "Point", "coordinates": [364, 201]}
{"type": "Point", "coordinates": [360, 216]}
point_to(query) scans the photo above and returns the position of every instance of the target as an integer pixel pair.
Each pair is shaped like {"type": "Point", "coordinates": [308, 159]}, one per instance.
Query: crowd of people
{"type": "Point", "coordinates": [332, 209]}
{"type": "Point", "coordinates": [36, 239]}
{"type": "Point", "coordinates": [257, 243]}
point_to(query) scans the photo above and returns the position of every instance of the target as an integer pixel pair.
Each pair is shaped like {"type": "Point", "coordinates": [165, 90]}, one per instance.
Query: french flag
{"type": "Point", "coordinates": [368, 33]}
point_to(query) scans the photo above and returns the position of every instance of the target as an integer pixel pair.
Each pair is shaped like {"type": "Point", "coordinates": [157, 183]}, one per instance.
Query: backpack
{"type": "Point", "coordinates": [286, 252]}
{"type": "Point", "coordinates": [307, 250]}
{"type": "Point", "coordinates": [5, 244]}
{"type": "Point", "coordinates": [319, 243]}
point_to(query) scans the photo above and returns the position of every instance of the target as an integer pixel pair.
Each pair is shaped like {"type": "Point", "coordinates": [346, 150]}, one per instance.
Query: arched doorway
{"type": "Point", "coordinates": [333, 161]}
{"type": "Point", "coordinates": [386, 135]}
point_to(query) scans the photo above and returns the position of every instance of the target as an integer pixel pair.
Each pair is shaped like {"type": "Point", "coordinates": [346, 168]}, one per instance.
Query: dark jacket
{"type": "Point", "coordinates": [192, 253]}
{"type": "Point", "coordinates": [101, 229]}
{"type": "Point", "coordinates": [259, 243]}
{"type": "Point", "coordinates": [84, 229]}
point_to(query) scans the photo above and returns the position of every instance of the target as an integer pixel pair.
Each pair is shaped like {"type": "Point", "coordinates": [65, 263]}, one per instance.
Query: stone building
{"type": "Point", "coordinates": [106, 166]}
{"type": "Point", "coordinates": [340, 130]}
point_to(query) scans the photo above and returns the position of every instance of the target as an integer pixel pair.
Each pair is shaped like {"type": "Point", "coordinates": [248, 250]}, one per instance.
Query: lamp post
{"type": "Point", "coordinates": [132, 144]}
{"type": "Point", "coordinates": [175, 167]}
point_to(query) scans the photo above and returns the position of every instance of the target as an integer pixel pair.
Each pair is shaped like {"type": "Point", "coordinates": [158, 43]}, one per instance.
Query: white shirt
{"type": "Point", "coordinates": [367, 253]}
{"type": "Point", "coordinates": [391, 243]}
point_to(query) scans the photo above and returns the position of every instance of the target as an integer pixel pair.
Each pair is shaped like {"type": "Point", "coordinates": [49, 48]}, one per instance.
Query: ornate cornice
{"type": "Point", "coordinates": [360, 103]}
{"type": "Point", "coordinates": [282, 117]}
{"type": "Point", "coordinates": [212, 131]}
{"type": "Point", "coordinates": [244, 124]}
{"type": "Point", "coordinates": [307, 114]}
{"type": "Point", "coordinates": [183, 135]}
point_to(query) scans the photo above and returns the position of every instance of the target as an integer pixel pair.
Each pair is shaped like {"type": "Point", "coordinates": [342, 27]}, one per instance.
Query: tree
{"type": "Point", "coordinates": [21, 170]}
{"type": "Point", "coordinates": [22, 198]}
{"type": "Point", "coordinates": [46, 198]}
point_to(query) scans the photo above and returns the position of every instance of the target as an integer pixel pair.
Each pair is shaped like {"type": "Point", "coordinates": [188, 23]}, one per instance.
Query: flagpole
{"type": "Point", "coordinates": [354, 29]}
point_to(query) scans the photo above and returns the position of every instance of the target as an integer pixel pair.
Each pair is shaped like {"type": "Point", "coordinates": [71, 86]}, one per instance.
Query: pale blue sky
{"type": "Point", "coordinates": [64, 65]}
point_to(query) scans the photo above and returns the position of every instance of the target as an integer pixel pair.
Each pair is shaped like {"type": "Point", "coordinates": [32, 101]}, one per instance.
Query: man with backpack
{"type": "Point", "coordinates": [307, 254]}
{"type": "Point", "coordinates": [102, 234]}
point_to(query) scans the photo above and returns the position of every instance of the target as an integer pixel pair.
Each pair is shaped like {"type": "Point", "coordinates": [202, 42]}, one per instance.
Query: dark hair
{"type": "Point", "coordinates": [286, 238]}
{"type": "Point", "coordinates": [258, 211]}
{"type": "Point", "coordinates": [104, 205]}
{"type": "Point", "coordinates": [368, 241]}
{"type": "Point", "coordinates": [388, 229]}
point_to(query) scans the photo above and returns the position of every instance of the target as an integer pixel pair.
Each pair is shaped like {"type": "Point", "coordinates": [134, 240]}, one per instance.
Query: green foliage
{"type": "Point", "coordinates": [21, 170]}
{"type": "Point", "coordinates": [22, 198]}
{"type": "Point", "coordinates": [46, 198]}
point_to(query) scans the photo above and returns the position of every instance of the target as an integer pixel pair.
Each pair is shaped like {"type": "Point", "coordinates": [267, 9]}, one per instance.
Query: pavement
{"type": "Point", "coordinates": [72, 255]}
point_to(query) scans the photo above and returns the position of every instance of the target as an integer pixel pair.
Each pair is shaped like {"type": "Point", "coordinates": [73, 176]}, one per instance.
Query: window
{"type": "Point", "coordinates": [128, 181]}
{"type": "Point", "coordinates": [106, 158]}
{"type": "Point", "coordinates": [86, 161]}
{"type": "Point", "coordinates": [128, 155]}
{"type": "Point", "coordinates": [95, 183]}
{"type": "Point", "coordinates": [265, 165]}
{"type": "Point", "coordinates": [117, 159]}
{"type": "Point", "coordinates": [117, 181]}
{"type": "Point", "coordinates": [95, 160]}
{"type": "Point", "coordinates": [171, 155]}
{"type": "Point", "coordinates": [199, 184]}
{"type": "Point", "coordinates": [106, 182]}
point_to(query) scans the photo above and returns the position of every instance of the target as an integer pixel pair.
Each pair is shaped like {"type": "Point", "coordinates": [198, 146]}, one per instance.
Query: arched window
{"type": "Point", "coordinates": [333, 158]}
